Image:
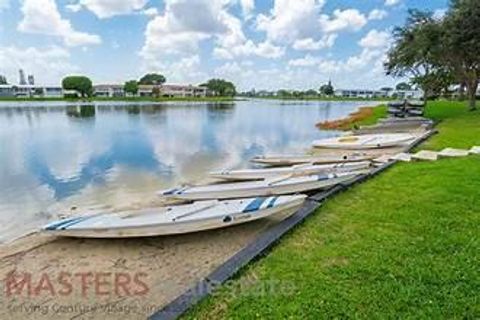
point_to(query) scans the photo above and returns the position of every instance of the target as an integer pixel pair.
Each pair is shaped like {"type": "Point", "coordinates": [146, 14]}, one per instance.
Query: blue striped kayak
{"type": "Point", "coordinates": [198, 216]}
{"type": "Point", "coordinates": [273, 186]}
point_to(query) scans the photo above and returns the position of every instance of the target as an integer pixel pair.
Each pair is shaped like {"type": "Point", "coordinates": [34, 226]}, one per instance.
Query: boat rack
{"type": "Point", "coordinates": [406, 108]}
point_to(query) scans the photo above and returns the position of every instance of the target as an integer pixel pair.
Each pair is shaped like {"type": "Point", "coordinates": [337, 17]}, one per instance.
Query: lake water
{"type": "Point", "coordinates": [57, 159]}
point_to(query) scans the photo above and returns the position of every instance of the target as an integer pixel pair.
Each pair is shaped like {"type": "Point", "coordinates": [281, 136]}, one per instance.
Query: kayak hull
{"type": "Point", "coordinates": [302, 170]}
{"type": "Point", "coordinates": [362, 142]}
{"type": "Point", "coordinates": [222, 220]}
{"type": "Point", "coordinates": [280, 161]}
{"type": "Point", "coordinates": [258, 188]}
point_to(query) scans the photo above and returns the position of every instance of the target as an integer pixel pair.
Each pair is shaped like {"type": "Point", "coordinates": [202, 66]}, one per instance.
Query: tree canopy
{"type": "Point", "coordinates": [461, 45]}
{"type": "Point", "coordinates": [152, 79]}
{"type": "Point", "coordinates": [327, 89]}
{"type": "Point", "coordinates": [131, 87]}
{"type": "Point", "coordinates": [221, 87]}
{"type": "Point", "coordinates": [436, 53]}
{"type": "Point", "coordinates": [3, 79]}
{"type": "Point", "coordinates": [81, 84]}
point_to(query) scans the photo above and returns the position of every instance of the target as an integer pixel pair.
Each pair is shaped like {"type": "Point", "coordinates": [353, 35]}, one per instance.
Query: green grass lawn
{"type": "Point", "coordinates": [403, 245]}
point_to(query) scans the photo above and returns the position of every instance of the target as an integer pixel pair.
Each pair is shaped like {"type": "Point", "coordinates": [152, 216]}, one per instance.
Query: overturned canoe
{"type": "Point", "coordinates": [274, 186]}
{"type": "Point", "coordinates": [199, 216]}
{"type": "Point", "coordinates": [297, 170]}
{"type": "Point", "coordinates": [367, 141]}
{"type": "Point", "coordinates": [289, 160]}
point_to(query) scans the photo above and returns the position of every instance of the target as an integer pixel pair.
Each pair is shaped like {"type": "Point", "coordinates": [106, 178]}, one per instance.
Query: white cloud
{"type": "Point", "coordinates": [108, 8]}
{"type": "Point", "coordinates": [183, 70]}
{"type": "Point", "coordinates": [248, 48]}
{"type": "Point", "coordinates": [349, 19]}
{"type": "Point", "coordinates": [375, 39]}
{"type": "Point", "coordinates": [74, 7]}
{"type": "Point", "coordinates": [307, 61]}
{"type": "Point", "coordinates": [290, 20]}
{"type": "Point", "coordinates": [268, 50]}
{"type": "Point", "coordinates": [180, 29]}
{"type": "Point", "coordinates": [392, 2]}
{"type": "Point", "coordinates": [42, 17]}
{"type": "Point", "coordinates": [248, 6]}
{"type": "Point", "coordinates": [377, 14]}
{"type": "Point", "coordinates": [48, 64]}
{"type": "Point", "coordinates": [151, 12]}
{"type": "Point", "coordinates": [327, 41]}
{"type": "Point", "coordinates": [368, 57]}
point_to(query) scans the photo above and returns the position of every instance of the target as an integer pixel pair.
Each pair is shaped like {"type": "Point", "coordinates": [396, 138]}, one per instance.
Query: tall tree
{"type": "Point", "coordinates": [417, 51]}
{"type": "Point", "coordinates": [461, 45]}
{"type": "Point", "coordinates": [131, 87]}
{"type": "Point", "coordinates": [152, 79]}
{"type": "Point", "coordinates": [327, 89]}
{"type": "Point", "coordinates": [81, 84]}
{"type": "Point", "coordinates": [221, 87]}
{"type": "Point", "coordinates": [3, 79]}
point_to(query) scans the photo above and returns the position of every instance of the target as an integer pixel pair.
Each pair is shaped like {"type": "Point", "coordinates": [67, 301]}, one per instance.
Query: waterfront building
{"type": "Point", "coordinates": [360, 93]}
{"type": "Point", "coordinates": [21, 77]}
{"type": "Point", "coordinates": [6, 90]}
{"type": "Point", "coordinates": [31, 79]}
{"type": "Point", "coordinates": [173, 90]}
{"type": "Point", "coordinates": [369, 94]}
{"type": "Point", "coordinates": [24, 91]}
{"type": "Point", "coordinates": [108, 90]}
{"type": "Point", "coordinates": [165, 90]}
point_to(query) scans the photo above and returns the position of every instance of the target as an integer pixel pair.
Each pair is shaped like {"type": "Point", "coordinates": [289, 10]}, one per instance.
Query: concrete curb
{"type": "Point", "coordinates": [266, 240]}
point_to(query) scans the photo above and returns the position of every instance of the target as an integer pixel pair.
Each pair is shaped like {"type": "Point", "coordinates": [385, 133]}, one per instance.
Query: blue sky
{"type": "Point", "coordinates": [263, 44]}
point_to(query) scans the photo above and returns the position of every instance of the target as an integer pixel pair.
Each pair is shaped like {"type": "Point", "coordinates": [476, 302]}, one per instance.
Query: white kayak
{"type": "Point", "coordinates": [274, 186]}
{"type": "Point", "coordinates": [367, 141]}
{"type": "Point", "coordinates": [198, 216]}
{"type": "Point", "coordinates": [294, 171]}
{"type": "Point", "coordinates": [289, 160]}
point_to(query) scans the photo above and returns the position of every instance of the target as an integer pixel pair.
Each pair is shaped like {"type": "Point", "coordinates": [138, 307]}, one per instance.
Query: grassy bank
{"type": "Point", "coordinates": [131, 99]}
{"type": "Point", "coordinates": [361, 117]}
{"type": "Point", "coordinates": [403, 245]}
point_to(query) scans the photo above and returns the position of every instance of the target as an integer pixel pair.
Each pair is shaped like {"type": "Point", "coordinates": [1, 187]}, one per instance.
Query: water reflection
{"type": "Point", "coordinates": [87, 111]}
{"type": "Point", "coordinates": [91, 156]}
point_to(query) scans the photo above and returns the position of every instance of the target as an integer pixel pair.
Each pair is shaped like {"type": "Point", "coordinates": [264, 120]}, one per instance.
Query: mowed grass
{"type": "Point", "coordinates": [403, 245]}
{"type": "Point", "coordinates": [378, 112]}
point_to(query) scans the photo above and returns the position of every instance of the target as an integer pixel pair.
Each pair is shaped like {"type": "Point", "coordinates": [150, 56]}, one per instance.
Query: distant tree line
{"type": "Point", "coordinates": [436, 53]}
{"type": "Point", "coordinates": [84, 87]}
{"type": "Point", "coordinates": [220, 87]}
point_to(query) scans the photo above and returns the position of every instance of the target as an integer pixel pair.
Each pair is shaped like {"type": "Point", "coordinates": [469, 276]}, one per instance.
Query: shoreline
{"type": "Point", "coordinates": [121, 99]}
{"type": "Point", "coordinates": [361, 117]}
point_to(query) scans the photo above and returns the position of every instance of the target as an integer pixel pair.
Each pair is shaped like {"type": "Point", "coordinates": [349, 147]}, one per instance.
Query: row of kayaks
{"type": "Point", "coordinates": [248, 194]}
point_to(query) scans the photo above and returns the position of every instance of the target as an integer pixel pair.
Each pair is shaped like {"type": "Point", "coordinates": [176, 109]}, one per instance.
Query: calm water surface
{"type": "Point", "coordinates": [57, 159]}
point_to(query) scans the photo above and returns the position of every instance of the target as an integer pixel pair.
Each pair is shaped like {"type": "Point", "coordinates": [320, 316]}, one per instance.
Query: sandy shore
{"type": "Point", "coordinates": [158, 270]}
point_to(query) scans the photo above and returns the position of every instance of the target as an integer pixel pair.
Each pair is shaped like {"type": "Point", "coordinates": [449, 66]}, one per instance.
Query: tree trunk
{"type": "Point", "coordinates": [461, 89]}
{"type": "Point", "coordinates": [472, 94]}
